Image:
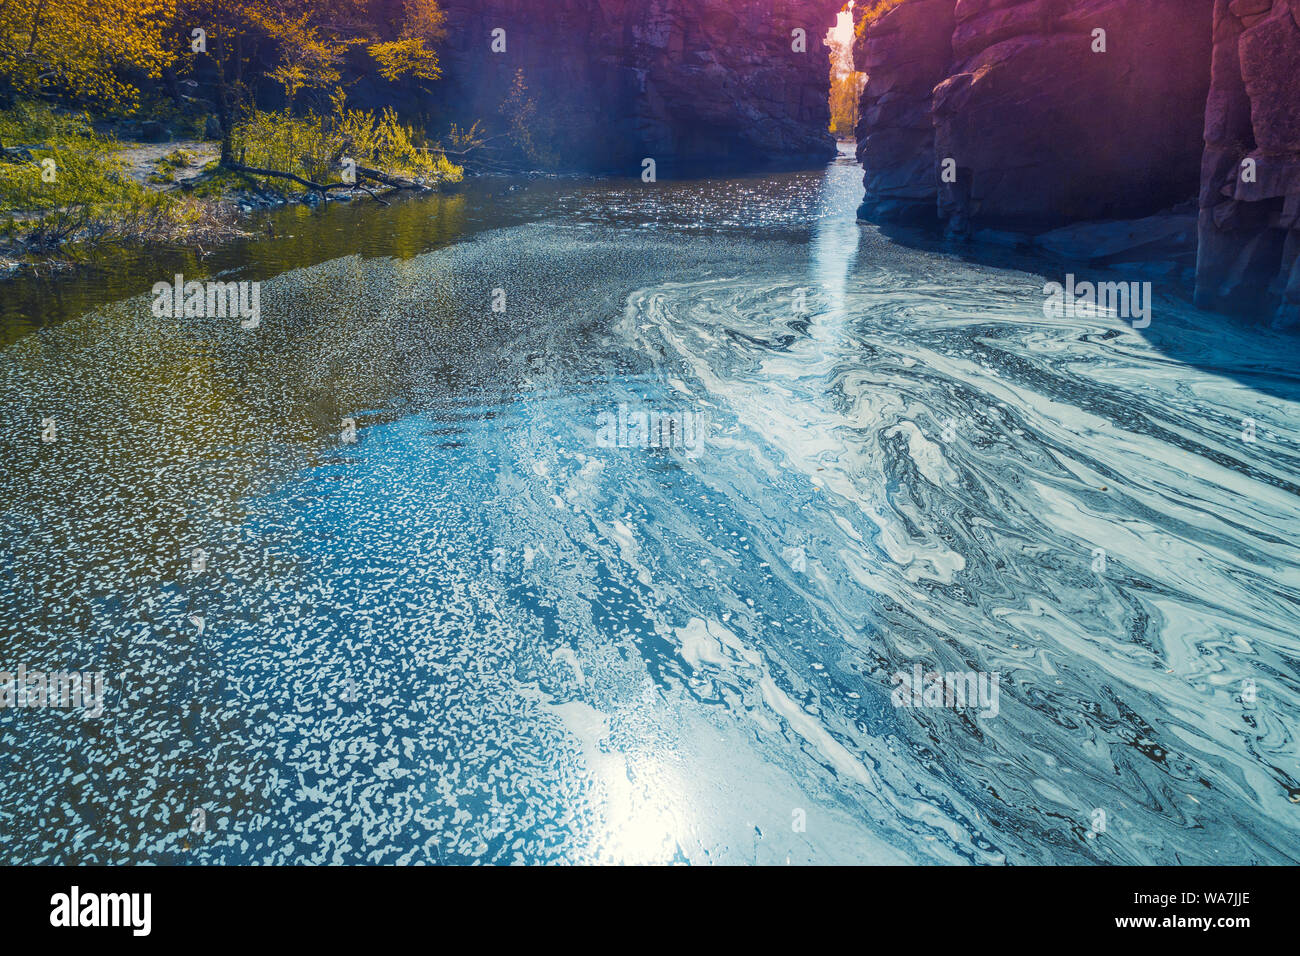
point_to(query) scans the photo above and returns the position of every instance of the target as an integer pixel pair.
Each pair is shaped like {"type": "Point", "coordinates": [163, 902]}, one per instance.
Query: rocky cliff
{"type": "Point", "coordinates": [1026, 115]}
{"type": "Point", "coordinates": [1249, 255]}
{"type": "Point", "coordinates": [1041, 119]}
{"type": "Point", "coordinates": [905, 54]}
{"type": "Point", "coordinates": [708, 83]}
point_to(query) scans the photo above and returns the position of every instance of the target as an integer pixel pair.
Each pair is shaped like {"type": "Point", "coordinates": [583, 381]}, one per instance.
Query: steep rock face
{"type": "Point", "coordinates": [1050, 122]}
{"type": "Point", "coordinates": [905, 55]}
{"type": "Point", "coordinates": [1249, 254]}
{"type": "Point", "coordinates": [686, 82]}
{"type": "Point", "coordinates": [1036, 125]}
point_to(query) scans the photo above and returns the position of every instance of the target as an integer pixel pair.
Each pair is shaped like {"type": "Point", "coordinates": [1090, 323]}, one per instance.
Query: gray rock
{"type": "Point", "coordinates": [905, 54]}
{"type": "Point", "coordinates": [1045, 134]}
{"type": "Point", "coordinates": [1037, 130]}
{"type": "Point", "coordinates": [153, 131]}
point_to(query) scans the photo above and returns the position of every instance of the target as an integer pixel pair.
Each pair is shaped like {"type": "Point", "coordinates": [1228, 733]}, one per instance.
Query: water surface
{"type": "Point", "coordinates": [479, 634]}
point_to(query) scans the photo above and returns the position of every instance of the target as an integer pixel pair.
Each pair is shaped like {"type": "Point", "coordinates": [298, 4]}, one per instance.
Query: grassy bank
{"type": "Point", "coordinates": [64, 185]}
{"type": "Point", "coordinates": [67, 187]}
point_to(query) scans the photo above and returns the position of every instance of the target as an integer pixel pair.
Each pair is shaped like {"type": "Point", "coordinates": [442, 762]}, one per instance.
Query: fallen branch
{"type": "Point", "coordinates": [373, 195]}
{"type": "Point", "coordinates": [397, 182]}
{"type": "Point", "coordinates": [256, 171]}
{"type": "Point", "coordinates": [18, 154]}
{"type": "Point", "coordinates": [480, 144]}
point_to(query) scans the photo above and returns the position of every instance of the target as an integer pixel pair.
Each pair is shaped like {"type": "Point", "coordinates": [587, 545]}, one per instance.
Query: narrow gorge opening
{"type": "Point", "coordinates": [846, 82]}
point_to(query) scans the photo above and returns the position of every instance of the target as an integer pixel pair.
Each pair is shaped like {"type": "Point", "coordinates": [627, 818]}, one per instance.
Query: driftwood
{"type": "Point", "coordinates": [396, 182]}
{"type": "Point", "coordinates": [257, 171]}
{"type": "Point", "coordinates": [474, 147]}
{"type": "Point", "coordinates": [261, 190]}
{"type": "Point", "coordinates": [373, 195]}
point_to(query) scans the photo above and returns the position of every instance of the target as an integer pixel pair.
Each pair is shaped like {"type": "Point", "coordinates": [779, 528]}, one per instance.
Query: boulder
{"type": "Point", "coordinates": [1017, 115]}
{"type": "Point", "coordinates": [154, 131]}
{"type": "Point", "coordinates": [1168, 236]}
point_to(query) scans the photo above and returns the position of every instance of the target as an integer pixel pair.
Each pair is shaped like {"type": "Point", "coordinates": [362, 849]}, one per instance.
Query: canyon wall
{"type": "Point", "coordinates": [905, 54]}
{"type": "Point", "coordinates": [691, 83]}
{"type": "Point", "coordinates": [1045, 121]}
{"type": "Point", "coordinates": [1020, 116]}
{"type": "Point", "coordinates": [1249, 255]}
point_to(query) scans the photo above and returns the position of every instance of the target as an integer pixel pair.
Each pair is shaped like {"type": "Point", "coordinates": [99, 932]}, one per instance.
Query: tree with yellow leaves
{"type": "Point", "coordinates": [411, 53]}
{"type": "Point", "coordinates": [309, 57]}
{"type": "Point", "coordinates": [308, 42]}
{"type": "Point", "coordinates": [312, 37]}
{"type": "Point", "coordinates": [81, 49]}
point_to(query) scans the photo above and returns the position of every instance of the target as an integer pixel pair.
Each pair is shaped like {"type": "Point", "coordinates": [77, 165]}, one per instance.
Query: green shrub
{"type": "Point", "coordinates": [89, 196]}
{"type": "Point", "coordinates": [176, 159]}
{"type": "Point", "coordinates": [314, 146]}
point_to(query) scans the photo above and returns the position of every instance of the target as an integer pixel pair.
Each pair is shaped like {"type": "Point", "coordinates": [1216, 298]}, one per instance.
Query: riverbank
{"type": "Point", "coordinates": [216, 205]}
{"type": "Point", "coordinates": [71, 187]}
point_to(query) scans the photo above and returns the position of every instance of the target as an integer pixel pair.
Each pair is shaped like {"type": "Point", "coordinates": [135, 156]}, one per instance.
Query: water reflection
{"type": "Point", "coordinates": [480, 634]}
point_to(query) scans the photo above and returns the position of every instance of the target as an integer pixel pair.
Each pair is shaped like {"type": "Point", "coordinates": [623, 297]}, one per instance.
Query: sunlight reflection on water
{"type": "Point", "coordinates": [478, 634]}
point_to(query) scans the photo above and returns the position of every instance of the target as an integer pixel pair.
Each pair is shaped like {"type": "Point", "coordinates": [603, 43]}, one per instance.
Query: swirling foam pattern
{"type": "Point", "coordinates": [481, 634]}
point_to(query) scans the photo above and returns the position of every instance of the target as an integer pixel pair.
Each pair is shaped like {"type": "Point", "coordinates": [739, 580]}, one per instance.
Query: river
{"type": "Point", "coordinates": [496, 628]}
